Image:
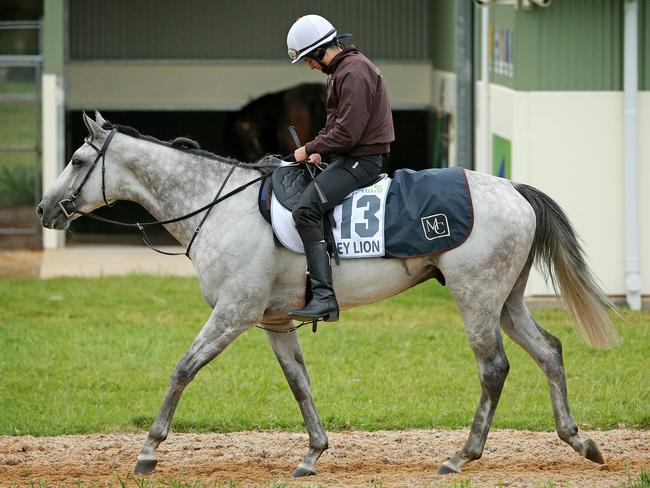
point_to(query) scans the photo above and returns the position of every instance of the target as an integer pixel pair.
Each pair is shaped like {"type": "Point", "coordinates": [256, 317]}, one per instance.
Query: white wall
{"type": "Point", "coordinates": [570, 145]}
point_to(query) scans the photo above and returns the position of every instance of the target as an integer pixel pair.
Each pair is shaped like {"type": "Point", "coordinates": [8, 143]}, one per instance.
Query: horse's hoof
{"type": "Point", "coordinates": [592, 452]}
{"type": "Point", "coordinates": [445, 469]}
{"type": "Point", "coordinates": [301, 471]}
{"type": "Point", "coordinates": [145, 466]}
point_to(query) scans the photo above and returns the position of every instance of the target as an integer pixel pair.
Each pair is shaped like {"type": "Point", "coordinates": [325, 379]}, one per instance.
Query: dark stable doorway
{"type": "Point", "coordinates": [413, 148]}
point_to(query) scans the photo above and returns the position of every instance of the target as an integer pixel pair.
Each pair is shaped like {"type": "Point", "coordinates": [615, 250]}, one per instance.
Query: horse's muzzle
{"type": "Point", "coordinates": [53, 217]}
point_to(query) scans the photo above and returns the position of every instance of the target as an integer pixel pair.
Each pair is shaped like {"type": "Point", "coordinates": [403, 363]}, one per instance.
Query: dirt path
{"type": "Point", "coordinates": [397, 458]}
{"type": "Point", "coordinates": [20, 263]}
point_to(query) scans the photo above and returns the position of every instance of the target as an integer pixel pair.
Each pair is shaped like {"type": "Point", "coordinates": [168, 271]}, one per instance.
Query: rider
{"type": "Point", "coordinates": [356, 138]}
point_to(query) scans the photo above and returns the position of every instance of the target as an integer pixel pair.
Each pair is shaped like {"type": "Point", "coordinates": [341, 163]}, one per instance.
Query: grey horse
{"type": "Point", "coordinates": [248, 281]}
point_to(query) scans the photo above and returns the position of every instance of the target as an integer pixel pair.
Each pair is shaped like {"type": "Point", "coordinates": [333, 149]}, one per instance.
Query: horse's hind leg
{"type": "Point", "coordinates": [287, 350]}
{"type": "Point", "coordinates": [218, 332]}
{"type": "Point", "coordinates": [485, 339]}
{"type": "Point", "coordinates": [546, 351]}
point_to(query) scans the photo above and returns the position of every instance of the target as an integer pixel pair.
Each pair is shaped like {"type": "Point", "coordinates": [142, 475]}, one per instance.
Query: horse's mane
{"type": "Point", "coordinates": [187, 145]}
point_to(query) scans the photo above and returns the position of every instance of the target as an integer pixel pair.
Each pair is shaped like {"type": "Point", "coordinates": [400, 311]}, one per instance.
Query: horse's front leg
{"type": "Point", "coordinates": [287, 350]}
{"type": "Point", "coordinates": [220, 330]}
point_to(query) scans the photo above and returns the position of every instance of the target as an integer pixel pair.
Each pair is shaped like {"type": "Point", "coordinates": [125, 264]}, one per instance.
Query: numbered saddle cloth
{"type": "Point", "coordinates": [359, 229]}
{"type": "Point", "coordinates": [415, 213]}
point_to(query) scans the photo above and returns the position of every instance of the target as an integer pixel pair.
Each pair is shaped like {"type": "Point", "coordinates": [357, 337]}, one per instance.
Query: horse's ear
{"type": "Point", "coordinates": [94, 129]}
{"type": "Point", "coordinates": [85, 119]}
{"type": "Point", "coordinates": [99, 119]}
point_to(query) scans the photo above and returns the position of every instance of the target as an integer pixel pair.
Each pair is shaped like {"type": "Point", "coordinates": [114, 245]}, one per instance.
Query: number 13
{"type": "Point", "coordinates": [363, 229]}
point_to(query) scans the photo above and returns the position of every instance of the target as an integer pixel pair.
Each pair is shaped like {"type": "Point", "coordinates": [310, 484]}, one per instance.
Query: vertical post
{"type": "Point", "coordinates": [53, 104]}
{"type": "Point", "coordinates": [465, 84]}
{"type": "Point", "coordinates": [38, 143]}
{"type": "Point", "coordinates": [485, 161]}
{"type": "Point", "coordinates": [630, 89]}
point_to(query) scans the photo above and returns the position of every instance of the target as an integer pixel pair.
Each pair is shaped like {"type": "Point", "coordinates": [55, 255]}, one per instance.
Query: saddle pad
{"type": "Point", "coordinates": [427, 212]}
{"type": "Point", "coordinates": [359, 231]}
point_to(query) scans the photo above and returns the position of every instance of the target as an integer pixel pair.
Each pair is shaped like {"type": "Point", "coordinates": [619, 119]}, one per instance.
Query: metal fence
{"type": "Point", "coordinates": [20, 134]}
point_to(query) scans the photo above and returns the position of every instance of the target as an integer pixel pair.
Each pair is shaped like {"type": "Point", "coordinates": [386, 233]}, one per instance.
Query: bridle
{"type": "Point", "coordinates": [101, 154]}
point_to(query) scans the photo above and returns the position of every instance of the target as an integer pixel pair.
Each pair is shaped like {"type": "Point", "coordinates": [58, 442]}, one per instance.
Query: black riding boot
{"type": "Point", "coordinates": [323, 304]}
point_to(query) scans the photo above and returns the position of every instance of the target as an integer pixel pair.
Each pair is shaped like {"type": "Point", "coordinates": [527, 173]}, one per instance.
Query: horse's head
{"type": "Point", "coordinates": [83, 183]}
{"type": "Point", "coordinates": [249, 138]}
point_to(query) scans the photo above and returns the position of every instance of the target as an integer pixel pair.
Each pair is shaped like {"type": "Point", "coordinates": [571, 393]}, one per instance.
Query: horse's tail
{"type": "Point", "coordinates": [559, 256]}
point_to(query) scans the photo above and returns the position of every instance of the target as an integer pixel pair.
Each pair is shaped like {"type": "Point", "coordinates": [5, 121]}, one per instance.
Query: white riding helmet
{"type": "Point", "coordinates": [306, 34]}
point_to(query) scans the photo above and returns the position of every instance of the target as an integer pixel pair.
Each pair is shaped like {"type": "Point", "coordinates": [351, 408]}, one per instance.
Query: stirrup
{"type": "Point", "coordinates": [332, 316]}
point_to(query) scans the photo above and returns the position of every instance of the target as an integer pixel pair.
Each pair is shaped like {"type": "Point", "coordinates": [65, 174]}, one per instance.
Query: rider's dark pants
{"type": "Point", "coordinates": [343, 175]}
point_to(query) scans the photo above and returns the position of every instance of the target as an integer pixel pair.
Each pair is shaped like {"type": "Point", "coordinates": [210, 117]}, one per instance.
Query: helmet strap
{"type": "Point", "coordinates": [318, 55]}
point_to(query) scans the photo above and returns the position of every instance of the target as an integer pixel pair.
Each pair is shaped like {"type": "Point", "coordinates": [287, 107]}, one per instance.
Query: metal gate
{"type": "Point", "coordinates": [20, 132]}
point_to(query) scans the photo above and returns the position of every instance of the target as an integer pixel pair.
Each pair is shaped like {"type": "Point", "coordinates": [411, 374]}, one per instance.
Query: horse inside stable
{"type": "Point", "coordinates": [260, 127]}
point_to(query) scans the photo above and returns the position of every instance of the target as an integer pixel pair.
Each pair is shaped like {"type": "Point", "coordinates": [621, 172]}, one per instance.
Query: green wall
{"type": "Point", "coordinates": [572, 45]}
{"type": "Point", "coordinates": [501, 17]}
{"type": "Point", "coordinates": [576, 45]}
{"type": "Point", "coordinates": [53, 36]}
{"type": "Point", "coordinates": [239, 29]}
{"type": "Point", "coordinates": [442, 34]}
{"type": "Point", "coordinates": [644, 44]}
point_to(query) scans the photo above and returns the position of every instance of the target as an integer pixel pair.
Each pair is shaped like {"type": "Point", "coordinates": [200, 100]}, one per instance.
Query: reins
{"type": "Point", "coordinates": [101, 153]}
{"type": "Point", "coordinates": [141, 225]}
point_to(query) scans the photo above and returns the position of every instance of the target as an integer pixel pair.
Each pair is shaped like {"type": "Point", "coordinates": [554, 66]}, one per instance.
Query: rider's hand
{"type": "Point", "coordinates": [300, 154]}
{"type": "Point", "coordinates": [314, 158]}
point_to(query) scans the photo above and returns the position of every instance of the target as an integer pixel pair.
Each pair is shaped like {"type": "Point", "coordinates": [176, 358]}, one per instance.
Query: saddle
{"type": "Point", "coordinates": [289, 183]}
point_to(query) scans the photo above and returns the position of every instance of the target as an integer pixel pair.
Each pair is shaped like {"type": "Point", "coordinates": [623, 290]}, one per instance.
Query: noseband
{"type": "Point", "coordinates": [101, 154]}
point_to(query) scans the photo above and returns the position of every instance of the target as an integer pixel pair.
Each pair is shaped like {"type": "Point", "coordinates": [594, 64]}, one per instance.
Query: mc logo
{"type": "Point", "coordinates": [435, 226]}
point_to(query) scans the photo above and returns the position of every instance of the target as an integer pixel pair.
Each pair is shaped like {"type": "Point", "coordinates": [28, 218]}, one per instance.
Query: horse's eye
{"type": "Point", "coordinates": [77, 162]}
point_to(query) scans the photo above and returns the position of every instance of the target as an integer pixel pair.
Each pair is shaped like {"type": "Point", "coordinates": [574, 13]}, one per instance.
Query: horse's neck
{"type": "Point", "coordinates": [171, 183]}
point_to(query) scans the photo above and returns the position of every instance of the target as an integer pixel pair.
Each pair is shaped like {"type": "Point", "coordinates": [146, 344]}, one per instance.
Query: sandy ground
{"type": "Point", "coordinates": [394, 458]}
{"type": "Point", "coordinates": [20, 263]}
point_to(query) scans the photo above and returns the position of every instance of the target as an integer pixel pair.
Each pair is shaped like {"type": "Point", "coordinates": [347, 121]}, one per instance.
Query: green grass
{"type": "Point", "coordinates": [18, 170]}
{"type": "Point", "coordinates": [18, 123]}
{"type": "Point", "coordinates": [18, 87]}
{"type": "Point", "coordinates": [17, 183]}
{"type": "Point", "coordinates": [95, 355]}
{"type": "Point", "coordinates": [642, 480]}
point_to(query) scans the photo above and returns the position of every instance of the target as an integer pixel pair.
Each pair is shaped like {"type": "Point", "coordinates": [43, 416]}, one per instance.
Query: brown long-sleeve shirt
{"type": "Point", "coordinates": [359, 120]}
